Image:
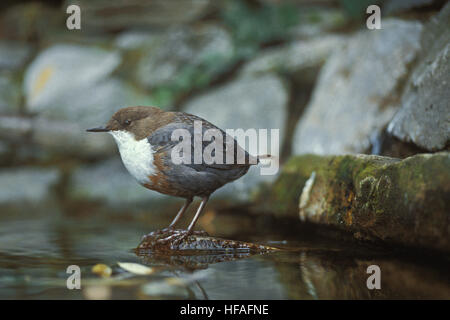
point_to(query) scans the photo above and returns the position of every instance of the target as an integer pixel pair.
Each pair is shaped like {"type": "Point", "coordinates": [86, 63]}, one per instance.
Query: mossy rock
{"type": "Point", "coordinates": [404, 201]}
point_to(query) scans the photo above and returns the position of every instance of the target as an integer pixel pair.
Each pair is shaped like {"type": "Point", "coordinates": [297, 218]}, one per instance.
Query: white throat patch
{"type": "Point", "coordinates": [137, 155]}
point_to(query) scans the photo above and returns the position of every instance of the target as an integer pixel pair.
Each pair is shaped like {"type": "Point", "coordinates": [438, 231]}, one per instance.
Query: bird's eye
{"type": "Point", "coordinates": [127, 122]}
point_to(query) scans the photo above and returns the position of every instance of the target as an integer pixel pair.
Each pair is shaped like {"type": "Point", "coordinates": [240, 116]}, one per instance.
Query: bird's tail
{"type": "Point", "coordinates": [267, 157]}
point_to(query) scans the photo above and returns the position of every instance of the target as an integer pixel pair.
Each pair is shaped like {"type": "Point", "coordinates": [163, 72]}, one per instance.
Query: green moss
{"type": "Point", "coordinates": [250, 26]}
{"type": "Point", "coordinates": [381, 197]}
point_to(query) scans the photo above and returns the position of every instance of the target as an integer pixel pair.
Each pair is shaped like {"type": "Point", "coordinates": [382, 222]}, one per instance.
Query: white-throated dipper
{"type": "Point", "coordinates": [144, 137]}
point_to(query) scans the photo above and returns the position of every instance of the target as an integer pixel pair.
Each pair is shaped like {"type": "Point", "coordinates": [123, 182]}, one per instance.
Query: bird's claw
{"type": "Point", "coordinates": [175, 238]}
{"type": "Point", "coordinates": [178, 236]}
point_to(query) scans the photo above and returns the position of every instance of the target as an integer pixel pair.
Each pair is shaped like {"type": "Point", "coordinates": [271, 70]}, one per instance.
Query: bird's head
{"type": "Point", "coordinates": [140, 121]}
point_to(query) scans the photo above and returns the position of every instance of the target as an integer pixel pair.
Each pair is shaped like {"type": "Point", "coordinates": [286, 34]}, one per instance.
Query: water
{"type": "Point", "coordinates": [37, 247]}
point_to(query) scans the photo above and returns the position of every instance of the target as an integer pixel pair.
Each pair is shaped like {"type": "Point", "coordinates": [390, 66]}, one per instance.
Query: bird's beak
{"type": "Point", "coordinates": [99, 129]}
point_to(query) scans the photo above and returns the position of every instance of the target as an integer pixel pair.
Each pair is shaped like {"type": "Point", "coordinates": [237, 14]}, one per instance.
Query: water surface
{"type": "Point", "coordinates": [36, 249]}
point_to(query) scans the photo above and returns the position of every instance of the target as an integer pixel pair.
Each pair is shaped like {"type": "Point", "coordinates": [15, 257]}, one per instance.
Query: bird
{"type": "Point", "coordinates": [143, 135]}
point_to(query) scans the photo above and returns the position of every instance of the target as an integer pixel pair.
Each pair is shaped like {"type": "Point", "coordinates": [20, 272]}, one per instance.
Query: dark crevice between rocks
{"type": "Point", "coordinates": [384, 144]}
{"type": "Point", "coordinates": [300, 91]}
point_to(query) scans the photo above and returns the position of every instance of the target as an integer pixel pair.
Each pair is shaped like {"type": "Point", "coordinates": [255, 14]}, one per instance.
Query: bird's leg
{"type": "Point", "coordinates": [179, 214]}
{"type": "Point", "coordinates": [180, 235]}
{"type": "Point", "coordinates": [171, 227]}
{"type": "Point", "coordinates": [197, 214]}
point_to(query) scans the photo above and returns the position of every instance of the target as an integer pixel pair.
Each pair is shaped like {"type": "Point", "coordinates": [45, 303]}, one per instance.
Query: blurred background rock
{"type": "Point", "coordinates": [310, 68]}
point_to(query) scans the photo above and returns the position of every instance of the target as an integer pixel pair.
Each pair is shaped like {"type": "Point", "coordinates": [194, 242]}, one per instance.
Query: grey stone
{"type": "Point", "coordinates": [424, 117]}
{"type": "Point", "coordinates": [73, 83]}
{"type": "Point", "coordinates": [13, 55]}
{"type": "Point", "coordinates": [181, 47]}
{"type": "Point", "coordinates": [248, 102]}
{"type": "Point", "coordinates": [110, 182]}
{"type": "Point", "coordinates": [62, 70]}
{"type": "Point", "coordinates": [357, 90]}
{"type": "Point", "coordinates": [296, 55]}
{"type": "Point", "coordinates": [26, 184]}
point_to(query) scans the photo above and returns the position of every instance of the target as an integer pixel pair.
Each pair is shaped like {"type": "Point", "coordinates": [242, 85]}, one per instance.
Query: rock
{"type": "Point", "coordinates": [26, 185]}
{"type": "Point", "coordinates": [101, 15]}
{"type": "Point", "coordinates": [295, 56]}
{"type": "Point", "coordinates": [94, 106]}
{"type": "Point", "coordinates": [63, 73]}
{"type": "Point", "coordinates": [424, 117]}
{"type": "Point", "coordinates": [110, 182]}
{"type": "Point", "coordinates": [10, 94]}
{"type": "Point", "coordinates": [373, 197]}
{"type": "Point", "coordinates": [73, 84]}
{"type": "Point", "coordinates": [208, 48]}
{"type": "Point", "coordinates": [13, 55]}
{"type": "Point", "coordinates": [248, 102]}
{"type": "Point", "coordinates": [357, 90]}
{"type": "Point", "coordinates": [198, 241]}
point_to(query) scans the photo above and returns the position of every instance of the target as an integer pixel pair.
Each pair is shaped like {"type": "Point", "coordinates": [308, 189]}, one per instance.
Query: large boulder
{"type": "Point", "coordinates": [424, 117]}
{"type": "Point", "coordinates": [373, 197]}
{"type": "Point", "coordinates": [73, 85]}
{"type": "Point", "coordinates": [63, 74]}
{"type": "Point", "coordinates": [357, 90]}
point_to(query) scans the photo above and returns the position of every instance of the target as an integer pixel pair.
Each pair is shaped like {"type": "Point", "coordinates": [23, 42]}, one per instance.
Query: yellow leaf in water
{"type": "Point", "coordinates": [41, 80]}
{"type": "Point", "coordinates": [102, 270]}
{"type": "Point", "coordinates": [135, 268]}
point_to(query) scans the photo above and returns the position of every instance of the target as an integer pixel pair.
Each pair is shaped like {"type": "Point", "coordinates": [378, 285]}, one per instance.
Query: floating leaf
{"type": "Point", "coordinates": [102, 270]}
{"type": "Point", "coordinates": [135, 268]}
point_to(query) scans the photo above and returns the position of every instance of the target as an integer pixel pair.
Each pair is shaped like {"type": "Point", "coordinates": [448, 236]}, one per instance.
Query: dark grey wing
{"type": "Point", "coordinates": [161, 141]}
{"type": "Point", "coordinates": [196, 179]}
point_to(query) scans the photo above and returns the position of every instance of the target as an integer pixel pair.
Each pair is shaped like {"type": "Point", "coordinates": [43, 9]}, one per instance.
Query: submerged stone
{"type": "Point", "coordinates": [199, 241]}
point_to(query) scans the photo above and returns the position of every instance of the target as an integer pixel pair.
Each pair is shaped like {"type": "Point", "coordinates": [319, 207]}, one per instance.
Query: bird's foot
{"type": "Point", "coordinates": [166, 230]}
{"type": "Point", "coordinates": [159, 233]}
{"type": "Point", "coordinates": [178, 236]}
